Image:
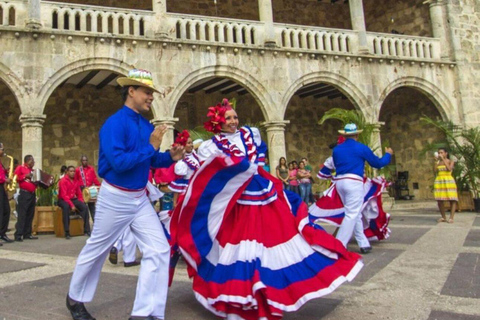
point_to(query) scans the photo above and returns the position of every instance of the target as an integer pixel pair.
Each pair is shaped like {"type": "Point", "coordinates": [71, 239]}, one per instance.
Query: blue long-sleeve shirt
{"type": "Point", "coordinates": [350, 157]}
{"type": "Point", "coordinates": [126, 154]}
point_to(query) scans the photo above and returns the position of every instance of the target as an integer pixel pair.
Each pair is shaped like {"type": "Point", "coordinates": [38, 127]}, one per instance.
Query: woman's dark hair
{"type": "Point", "coordinates": [124, 92]}
{"type": "Point", "coordinates": [301, 163]}
{"type": "Point", "coordinates": [446, 151]}
{"type": "Point", "coordinates": [280, 162]}
{"type": "Point", "coordinates": [63, 169]}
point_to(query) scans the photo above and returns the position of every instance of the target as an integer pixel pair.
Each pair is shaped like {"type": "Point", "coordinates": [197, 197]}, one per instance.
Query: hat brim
{"type": "Point", "coordinates": [343, 133]}
{"type": "Point", "coordinates": [124, 82]}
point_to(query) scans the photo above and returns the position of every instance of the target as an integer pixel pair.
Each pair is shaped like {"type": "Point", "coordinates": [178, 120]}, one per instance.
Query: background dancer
{"type": "Point", "coordinates": [349, 161]}
{"type": "Point", "coordinates": [129, 146]}
{"type": "Point", "coordinates": [249, 245]}
{"type": "Point", "coordinates": [184, 168]}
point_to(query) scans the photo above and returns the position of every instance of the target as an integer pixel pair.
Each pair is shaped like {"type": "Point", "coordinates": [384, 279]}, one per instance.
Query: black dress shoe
{"type": "Point", "coordinates": [131, 264]}
{"type": "Point", "coordinates": [19, 239]}
{"type": "Point", "coordinates": [88, 234]}
{"type": "Point", "coordinates": [78, 311]}
{"type": "Point", "coordinates": [113, 256]}
{"type": "Point", "coordinates": [30, 237]}
{"type": "Point", "coordinates": [6, 238]}
{"type": "Point", "coordinates": [67, 235]}
{"type": "Point", "coordinates": [365, 250]}
{"type": "Point", "coordinates": [143, 318]}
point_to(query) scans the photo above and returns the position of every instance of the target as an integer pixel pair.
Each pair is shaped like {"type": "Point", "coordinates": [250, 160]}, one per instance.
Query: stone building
{"type": "Point", "coordinates": [286, 63]}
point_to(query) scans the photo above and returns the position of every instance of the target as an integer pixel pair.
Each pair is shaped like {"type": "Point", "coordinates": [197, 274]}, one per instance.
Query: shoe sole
{"type": "Point", "coordinates": [113, 258]}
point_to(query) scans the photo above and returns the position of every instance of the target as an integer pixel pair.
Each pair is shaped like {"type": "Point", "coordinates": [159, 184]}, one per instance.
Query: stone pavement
{"type": "Point", "coordinates": [425, 271]}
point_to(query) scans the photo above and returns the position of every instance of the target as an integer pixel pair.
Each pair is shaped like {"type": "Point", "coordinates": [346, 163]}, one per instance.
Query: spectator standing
{"type": "Point", "coordinates": [304, 179]}
{"type": "Point", "coordinates": [282, 171]}
{"type": "Point", "coordinates": [292, 179]}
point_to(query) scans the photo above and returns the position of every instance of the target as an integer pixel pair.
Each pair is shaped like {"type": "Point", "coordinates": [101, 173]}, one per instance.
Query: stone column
{"type": "Point", "coordinates": [266, 16]}
{"type": "Point", "coordinates": [275, 141]}
{"type": "Point", "coordinates": [358, 24]}
{"type": "Point", "coordinates": [168, 137]}
{"type": "Point", "coordinates": [32, 137]}
{"type": "Point", "coordinates": [438, 17]}
{"type": "Point", "coordinates": [34, 17]}
{"type": "Point", "coordinates": [160, 26]}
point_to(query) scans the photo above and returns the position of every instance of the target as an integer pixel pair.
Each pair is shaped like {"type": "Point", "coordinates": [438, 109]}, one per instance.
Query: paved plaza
{"type": "Point", "coordinates": [425, 271]}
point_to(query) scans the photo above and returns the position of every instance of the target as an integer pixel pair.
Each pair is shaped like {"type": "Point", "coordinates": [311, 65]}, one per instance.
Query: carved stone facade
{"type": "Point", "coordinates": [388, 77]}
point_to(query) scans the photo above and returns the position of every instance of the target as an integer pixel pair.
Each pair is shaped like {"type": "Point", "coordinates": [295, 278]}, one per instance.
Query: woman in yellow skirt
{"type": "Point", "coordinates": [444, 188]}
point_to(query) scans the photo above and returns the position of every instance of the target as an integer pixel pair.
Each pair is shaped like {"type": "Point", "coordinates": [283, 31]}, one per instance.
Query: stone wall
{"type": "Point", "coordinates": [236, 9]}
{"type": "Point", "coordinates": [10, 127]}
{"type": "Point", "coordinates": [130, 4]}
{"type": "Point", "coordinates": [304, 136]}
{"type": "Point", "coordinates": [410, 17]}
{"type": "Point", "coordinates": [465, 25]}
{"type": "Point", "coordinates": [408, 137]}
{"type": "Point", "coordinates": [74, 118]}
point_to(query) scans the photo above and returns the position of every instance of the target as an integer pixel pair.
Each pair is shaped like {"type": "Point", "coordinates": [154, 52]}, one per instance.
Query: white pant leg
{"type": "Point", "coordinates": [359, 233]}
{"type": "Point", "coordinates": [119, 243]}
{"type": "Point", "coordinates": [152, 285]}
{"type": "Point", "coordinates": [115, 212]}
{"type": "Point", "coordinates": [129, 246]}
{"type": "Point", "coordinates": [351, 192]}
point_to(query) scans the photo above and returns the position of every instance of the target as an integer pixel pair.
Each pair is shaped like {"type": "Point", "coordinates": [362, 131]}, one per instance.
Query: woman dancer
{"type": "Point", "coordinates": [248, 244]}
{"type": "Point", "coordinates": [184, 168]}
{"type": "Point", "coordinates": [444, 187]}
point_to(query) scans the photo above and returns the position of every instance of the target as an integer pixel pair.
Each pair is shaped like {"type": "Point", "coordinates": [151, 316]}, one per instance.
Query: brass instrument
{"type": "Point", "coordinates": [12, 185]}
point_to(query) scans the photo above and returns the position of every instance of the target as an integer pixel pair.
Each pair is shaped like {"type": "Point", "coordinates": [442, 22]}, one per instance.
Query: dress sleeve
{"type": "Point", "coordinates": [181, 168]}
{"type": "Point", "coordinates": [257, 137]}
{"type": "Point", "coordinates": [207, 149]}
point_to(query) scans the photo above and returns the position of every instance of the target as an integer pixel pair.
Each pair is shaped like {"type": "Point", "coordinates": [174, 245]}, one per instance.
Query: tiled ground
{"type": "Point", "coordinates": [43, 298]}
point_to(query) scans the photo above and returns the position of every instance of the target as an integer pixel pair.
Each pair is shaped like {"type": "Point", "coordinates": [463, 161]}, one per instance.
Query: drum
{"type": "Point", "coordinates": [90, 194]}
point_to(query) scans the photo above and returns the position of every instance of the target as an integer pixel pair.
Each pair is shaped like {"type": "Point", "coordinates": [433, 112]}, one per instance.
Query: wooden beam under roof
{"type": "Point", "coordinates": [204, 85]}
{"type": "Point", "coordinates": [220, 86]}
{"type": "Point", "coordinates": [313, 87]}
{"type": "Point", "coordinates": [87, 78]}
{"type": "Point", "coordinates": [107, 80]}
{"type": "Point", "coordinates": [330, 91]}
{"type": "Point", "coordinates": [232, 89]}
{"type": "Point", "coordinates": [336, 95]}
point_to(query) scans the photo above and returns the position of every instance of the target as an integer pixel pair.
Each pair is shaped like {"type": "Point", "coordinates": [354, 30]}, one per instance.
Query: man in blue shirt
{"type": "Point", "coordinates": [349, 160]}
{"type": "Point", "coordinates": [129, 146]}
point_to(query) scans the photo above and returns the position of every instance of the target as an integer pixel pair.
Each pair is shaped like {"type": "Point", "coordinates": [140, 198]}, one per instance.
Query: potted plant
{"type": "Point", "coordinates": [45, 208]}
{"type": "Point", "coordinates": [464, 144]}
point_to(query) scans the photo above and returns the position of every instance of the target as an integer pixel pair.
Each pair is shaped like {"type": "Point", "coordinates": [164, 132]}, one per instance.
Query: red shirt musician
{"type": "Point", "coordinates": [70, 199]}
{"type": "Point", "coordinates": [85, 177]}
{"type": "Point", "coordinates": [4, 205]}
{"type": "Point", "coordinates": [26, 200]}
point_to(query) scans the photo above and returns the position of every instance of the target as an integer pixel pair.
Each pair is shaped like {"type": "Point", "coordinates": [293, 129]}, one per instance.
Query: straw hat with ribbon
{"type": "Point", "coordinates": [138, 77]}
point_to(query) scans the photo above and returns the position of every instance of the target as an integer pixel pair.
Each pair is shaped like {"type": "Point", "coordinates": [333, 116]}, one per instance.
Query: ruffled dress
{"type": "Point", "coordinates": [184, 169]}
{"type": "Point", "coordinates": [444, 187]}
{"type": "Point", "coordinates": [329, 207]}
{"type": "Point", "coordinates": [249, 246]}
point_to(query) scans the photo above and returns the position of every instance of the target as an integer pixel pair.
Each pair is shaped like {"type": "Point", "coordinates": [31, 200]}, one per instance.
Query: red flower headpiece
{"type": "Point", "coordinates": [217, 116]}
{"type": "Point", "coordinates": [182, 138]}
{"type": "Point", "coordinates": [340, 140]}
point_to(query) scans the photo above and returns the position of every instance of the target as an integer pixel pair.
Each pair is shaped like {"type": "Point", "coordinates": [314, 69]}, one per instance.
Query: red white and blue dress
{"type": "Point", "coordinates": [185, 169]}
{"type": "Point", "coordinates": [329, 208]}
{"type": "Point", "coordinates": [249, 246]}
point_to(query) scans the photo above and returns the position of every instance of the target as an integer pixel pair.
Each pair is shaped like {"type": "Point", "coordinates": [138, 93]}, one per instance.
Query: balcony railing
{"type": "Point", "coordinates": [401, 46]}
{"type": "Point", "coordinates": [95, 19]}
{"type": "Point", "coordinates": [119, 22]}
{"type": "Point", "coordinates": [316, 39]}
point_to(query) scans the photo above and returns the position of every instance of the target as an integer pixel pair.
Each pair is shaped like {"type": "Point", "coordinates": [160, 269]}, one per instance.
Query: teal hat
{"type": "Point", "coordinates": [350, 129]}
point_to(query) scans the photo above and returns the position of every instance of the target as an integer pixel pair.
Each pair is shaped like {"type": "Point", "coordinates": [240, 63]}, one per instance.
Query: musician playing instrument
{"type": "Point", "coordinates": [70, 199]}
{"type": "Point", "coordinates": [86, 177]}
{"type": "Point", "coordinates": [26, 200]}
{"type": "Point", "coordinates": [4, 205]}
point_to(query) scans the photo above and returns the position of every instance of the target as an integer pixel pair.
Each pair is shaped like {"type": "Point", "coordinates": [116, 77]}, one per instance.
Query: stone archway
{"type": "Point", "coordinates": [408, 136]}
{"type": "Point", "coordinates": [10, 127]}
{"type": "Point", "coordinates": [75, 111]}
{"type": "Point", "coordinates": [347, 87]}
{"type": "Point", "coordinates": [14, 84]}
{"type": "Point", "coordinates": [435, 94]}
{"type": "Point", "coordinates": [76, 67]}
{"type": "Point", "coordinates": [249, 82]}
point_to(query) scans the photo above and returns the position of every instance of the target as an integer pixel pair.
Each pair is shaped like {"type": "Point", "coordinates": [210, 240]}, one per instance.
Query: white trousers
{"type": "Point", "coordinates": [351, 191]}
{"type": "Point", "coordinates": [127, 243]}
{"type": "Point", "coordinates": [118, 210]}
